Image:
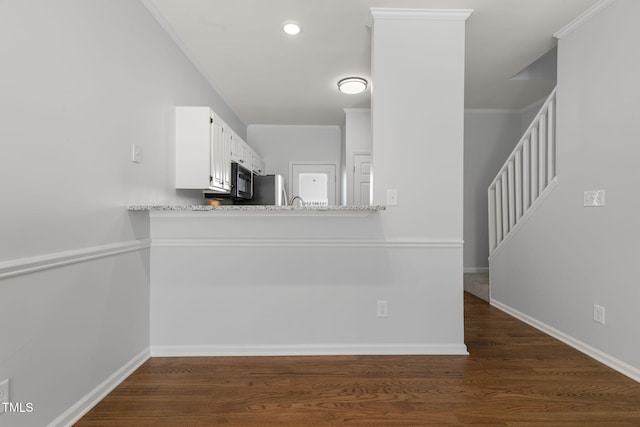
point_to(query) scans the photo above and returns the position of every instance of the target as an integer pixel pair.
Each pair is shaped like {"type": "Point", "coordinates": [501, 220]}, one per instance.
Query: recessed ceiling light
{"type": "Point", "coordinates": [352, 85]}
{"type": "Point", "coordinates": [291, 28]}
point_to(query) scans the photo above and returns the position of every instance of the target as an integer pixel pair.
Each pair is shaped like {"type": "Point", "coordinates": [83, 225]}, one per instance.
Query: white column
{"type": "Point", "coordinates": [418, 128]}
{"type": "Point", "coordinates": [418, 119]}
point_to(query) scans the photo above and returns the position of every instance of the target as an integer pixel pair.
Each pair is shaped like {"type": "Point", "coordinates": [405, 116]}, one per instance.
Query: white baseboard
{"type": "Point", "coordinates": [604, 358]}
{"type": "Point", "coordinates": [80, 408]}
{"type": "Point", "coordinates": [476, 269]}
{"type": "Point", "coordinates": [308, 350]}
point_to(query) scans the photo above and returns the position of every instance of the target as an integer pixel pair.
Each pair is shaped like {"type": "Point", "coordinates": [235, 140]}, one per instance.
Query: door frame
{"type": "Point", "coordinates": [316, 163]}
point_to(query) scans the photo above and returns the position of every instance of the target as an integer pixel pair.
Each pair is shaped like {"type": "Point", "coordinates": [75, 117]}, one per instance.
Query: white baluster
{"type": "Point", "coordinates": [512, 195]}
{"type": "Point", "coordinates": [551, 141]}
{"type": "Point", "coordinates": [534, 164]}
{"type": "Point", "coordinates": [526, 175]}
{"type": "Point", "coordinates": [542, 156]}
{"type": "Point", "coordinates": [505, 204]}
{"type": "Point", "coordinates": [499, 234]}
{"type": "Point", "coordinates": [492, 218]}
{"type": "Point", "coordinates": [518, 188]}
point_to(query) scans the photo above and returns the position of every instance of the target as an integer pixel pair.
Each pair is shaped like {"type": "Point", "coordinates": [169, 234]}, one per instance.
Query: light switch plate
{"type": "Point", "coordinates": [594, 198]}
{"type": "Point", "coordinates": [136, 153]}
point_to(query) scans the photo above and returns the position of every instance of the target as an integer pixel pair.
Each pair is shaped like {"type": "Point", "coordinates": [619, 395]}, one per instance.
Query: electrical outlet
{"type": "Point", "coordinates": [4, 394]}
{"type": "Point", "coordinates": [136, 153]}
{"type": "Point", "coordinates": [383, 309]}
{"type": "Point", "coordinates": [598, 313]}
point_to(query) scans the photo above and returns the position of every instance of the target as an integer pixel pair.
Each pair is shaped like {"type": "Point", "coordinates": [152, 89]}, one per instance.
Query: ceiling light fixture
{"type": "Point", "coordinates": [352, 85]}
{"type": "Point", "coordinates": [291, 28]}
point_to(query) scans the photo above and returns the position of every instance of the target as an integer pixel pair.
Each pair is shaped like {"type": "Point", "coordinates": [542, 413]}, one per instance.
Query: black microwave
{"type": "Point", "coordinates": [241, 182]}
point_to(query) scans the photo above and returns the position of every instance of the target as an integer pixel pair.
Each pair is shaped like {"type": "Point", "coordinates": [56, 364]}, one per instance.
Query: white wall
{"type": "Point", "coordinates": [529, 113]}
{"type": "Point", "coordinates": [81, 82]}
{"type": "Point", "coordinates": [489, 138]}
{"type": "Point", "coordinates": [567, 257]}
{"type": "Point", "coordinates": [279, 145]}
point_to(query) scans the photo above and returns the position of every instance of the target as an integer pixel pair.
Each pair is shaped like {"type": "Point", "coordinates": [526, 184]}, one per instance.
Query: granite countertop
{"type": "Point", "coordinates": [255, 208]}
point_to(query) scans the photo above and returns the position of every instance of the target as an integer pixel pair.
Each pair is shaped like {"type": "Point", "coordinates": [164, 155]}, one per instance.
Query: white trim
{"type": "Point", "coordinates": [602, 357]}
{"type": "Point", "coordinates": [583, 18]}
{"type": "Point", "coordinates": [21, 266]}
{"type": "Point", "coordinates": [476, 269]}
{"type": "Point", "coordinates": [439, 14]}
{"type": "Point", "coordinates": [491, 111]}
{"type": "Point", "coordinates": [308, 350]}
{"type": "Point", "coordinates": [84, 405]}
{"type": "Point", "coordinates": [343, 243]}
{"type": "Point", "coordinates": [522, 221]}
{"type": "Point", "coordinates": [357, 110]}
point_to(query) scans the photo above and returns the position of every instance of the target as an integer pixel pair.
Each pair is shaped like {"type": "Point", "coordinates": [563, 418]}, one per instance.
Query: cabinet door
{"type": "Point", "coordinates": [193, 145]}
{"type": "Point", "coordinates": [257, 164]}
{"type": "Point", "coordinates": [217, 144]}
{"type": "Point", "coordinates": [226, 160]}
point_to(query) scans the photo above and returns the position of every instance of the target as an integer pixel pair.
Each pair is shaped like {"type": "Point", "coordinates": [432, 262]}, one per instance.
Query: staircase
{"type": "Point", "coordinates": [525, 179]}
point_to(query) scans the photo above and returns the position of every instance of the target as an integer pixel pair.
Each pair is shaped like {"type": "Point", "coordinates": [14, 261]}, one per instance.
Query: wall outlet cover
{"type": "Point", "coordinates": [598, 313]}
{"type": "Point", "coordinates": [594, 198]}
{"type": "Point", "coordinates": [383, 309]}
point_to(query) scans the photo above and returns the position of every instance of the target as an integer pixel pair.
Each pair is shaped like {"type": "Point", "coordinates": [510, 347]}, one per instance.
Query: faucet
{"type": "Point", "coordinates": [294, 198]}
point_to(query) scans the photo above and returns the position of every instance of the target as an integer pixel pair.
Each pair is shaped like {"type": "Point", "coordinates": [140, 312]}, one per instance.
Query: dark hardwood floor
{"type": "Point", "coordinates": [514, 376]}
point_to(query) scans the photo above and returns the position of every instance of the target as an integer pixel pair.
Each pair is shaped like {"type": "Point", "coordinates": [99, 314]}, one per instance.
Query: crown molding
{"type": "Point", "coordinates": [584, 18]}
{"type": "Point", "coordinates": [439, 14]}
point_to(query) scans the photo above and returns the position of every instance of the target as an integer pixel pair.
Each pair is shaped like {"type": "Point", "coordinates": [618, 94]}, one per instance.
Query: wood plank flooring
{"type": "Point", "coordinates": [514, 376]}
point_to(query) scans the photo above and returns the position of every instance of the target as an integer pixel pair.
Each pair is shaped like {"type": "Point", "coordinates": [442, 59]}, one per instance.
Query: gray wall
{"type": "Point", "coordinates": [489, 138]}
{"type": "Point", "coordinates": [567, 257]}
{"type": "Point", "coordinates": [81, 82]}
{"type": "Point", "coordinates": [279, 145]}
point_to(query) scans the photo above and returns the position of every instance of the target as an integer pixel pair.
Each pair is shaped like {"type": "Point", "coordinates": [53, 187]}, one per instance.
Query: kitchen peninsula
{"type": "Point", "coordinates": [262, 209]}
{"type": "Point", "coordinates": [284, 280]}
{"type": "Point", "coordinates": [241, 281]}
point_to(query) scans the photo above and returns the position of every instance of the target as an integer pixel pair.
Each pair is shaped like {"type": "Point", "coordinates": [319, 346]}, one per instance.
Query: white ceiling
{"type": "Point", "coordinates": [268, 77]}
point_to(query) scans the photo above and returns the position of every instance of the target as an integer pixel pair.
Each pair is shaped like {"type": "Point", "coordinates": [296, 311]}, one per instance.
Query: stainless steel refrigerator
{"type": "Point", "coordinates": [268, 190]}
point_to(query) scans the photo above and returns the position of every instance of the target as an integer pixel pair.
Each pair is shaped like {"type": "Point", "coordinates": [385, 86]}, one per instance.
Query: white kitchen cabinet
{"type": "Point", "coordinates": [240, 151]}
{"type": "Point", "coordinates": [203, 150]}
{"type": "Point", "coordinates": [257, 164]}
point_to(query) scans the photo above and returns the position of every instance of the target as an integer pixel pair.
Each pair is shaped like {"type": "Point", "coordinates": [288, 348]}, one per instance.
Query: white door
{"type": "Point", "coordinates": [362, 179]}
{"type": "Point", "coordinates": [315, 183]}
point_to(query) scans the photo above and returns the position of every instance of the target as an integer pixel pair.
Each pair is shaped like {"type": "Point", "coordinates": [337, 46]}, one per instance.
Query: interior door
{"type": "Point", "coordinates": [315, 183]}
{"type": "Point", "coordinates": [362, 179]}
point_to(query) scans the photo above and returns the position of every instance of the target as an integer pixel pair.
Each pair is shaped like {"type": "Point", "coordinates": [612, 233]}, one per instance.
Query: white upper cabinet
{"type": "Point", "coordinates": [203, 157]}
{"type": "Point", "coordinates": [205, 148]}
{"type": "Point", "coordinates": [239, 151]}
{"type": "Point", "coordinates": [257, 164]}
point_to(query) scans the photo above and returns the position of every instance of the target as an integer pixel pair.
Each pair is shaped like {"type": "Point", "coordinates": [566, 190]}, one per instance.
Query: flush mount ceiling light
{"type": "Point", "coordinates": [352, 85]}
{"type": "Point", "coordinates": [291, 28]}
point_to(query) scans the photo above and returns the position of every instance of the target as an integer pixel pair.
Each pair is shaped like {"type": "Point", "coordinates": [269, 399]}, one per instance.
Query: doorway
{"type": "Point", "coordinates": [362, 179]}
{"type": "Point", "coordinates": [314, 182]}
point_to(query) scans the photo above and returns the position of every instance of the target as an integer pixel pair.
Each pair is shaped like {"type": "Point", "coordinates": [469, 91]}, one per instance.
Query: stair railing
{"type": "Point", "coordinates": [525, 177]}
